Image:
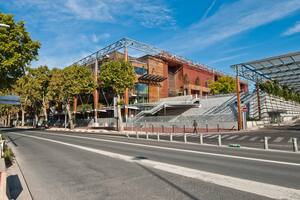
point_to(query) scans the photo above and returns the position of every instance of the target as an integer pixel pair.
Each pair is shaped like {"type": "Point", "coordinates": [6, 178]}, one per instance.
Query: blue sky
{"type": "Point", "coordinates": [213, 32]}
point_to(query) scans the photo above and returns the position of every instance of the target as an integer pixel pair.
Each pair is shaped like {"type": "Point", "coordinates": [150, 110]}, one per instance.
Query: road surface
{"type": "Point", "coordinates": [58, 165]}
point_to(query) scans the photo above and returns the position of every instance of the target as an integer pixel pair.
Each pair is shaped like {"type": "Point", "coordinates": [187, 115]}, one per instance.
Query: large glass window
{"type": "Point", "coordinates": [140, 70]}
{"type": "Point", "coordinates": [141, 90]}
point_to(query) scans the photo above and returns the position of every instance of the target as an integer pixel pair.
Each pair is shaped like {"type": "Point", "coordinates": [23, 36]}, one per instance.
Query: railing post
{"type": "Point", "coordinates": [162, 128]}
{"type": "Point", "coordinates": [152, 128]}
{"type": "Point", "coordinates": [206, 125]}
{"type": "Point", "coordinates": [295, 145]}
{"type": "Point", "coordinates": [183, 128]}
{"type": "Point", "coordinates": [171, 137]}
{"type": "Point", "coordinates": [220, 140]}
{"type": "Point", "coordinates": [218, 127]}
{"type": "Point", "coordinates": [201, 139]}
{"type": "Point", "coordinates": [137, 134]}
{"type": "Point", "coordinates": [184, 137]}
{"type": "Point", "coordinates": [266, 146]}
{"type": "Point", "coordinates": [173, 128]}
{"type": "Point", "coordinates": [158, 136]}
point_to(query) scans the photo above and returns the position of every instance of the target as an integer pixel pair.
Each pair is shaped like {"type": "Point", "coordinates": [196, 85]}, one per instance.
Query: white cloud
{"type": "Point", "coordinates": [96, 38]}
{"type": "Point", "coordinates": [230, 20]}
{"type": "Point", "coordinates": [208, 10]}
{"type": "Point", "coordinates": [226, 58]}
{"type": "Point", "coordinates": [293, 30]}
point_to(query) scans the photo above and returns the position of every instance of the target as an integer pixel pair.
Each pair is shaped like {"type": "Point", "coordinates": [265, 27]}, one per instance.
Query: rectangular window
{"type": "Point", "coordinates": [140, 70]}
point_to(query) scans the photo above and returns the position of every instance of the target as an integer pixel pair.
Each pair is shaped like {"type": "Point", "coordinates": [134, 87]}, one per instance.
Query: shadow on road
{"type": "Point", "coordinates": [169, 182]}
{"type": "Point", "coordinates": [14, 186]}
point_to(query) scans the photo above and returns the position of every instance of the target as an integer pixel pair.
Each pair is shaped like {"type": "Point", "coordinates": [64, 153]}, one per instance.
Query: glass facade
{"type": "Point", "coordinates": [141, 91]}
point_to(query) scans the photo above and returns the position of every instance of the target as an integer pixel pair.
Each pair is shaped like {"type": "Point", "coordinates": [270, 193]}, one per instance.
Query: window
{"type": "Point", "coordinates": [140, 70]}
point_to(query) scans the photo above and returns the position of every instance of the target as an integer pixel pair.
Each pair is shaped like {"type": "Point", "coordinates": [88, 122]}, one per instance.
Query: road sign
{"type": "Point", "coordinates": [245, 109]}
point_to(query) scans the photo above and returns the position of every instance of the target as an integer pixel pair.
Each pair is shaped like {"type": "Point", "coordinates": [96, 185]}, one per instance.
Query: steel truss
{"type": "Point", "coordinates": [285, 69]}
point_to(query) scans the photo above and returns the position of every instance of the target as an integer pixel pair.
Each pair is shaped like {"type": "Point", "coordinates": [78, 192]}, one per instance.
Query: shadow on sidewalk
{"type": "Point", "coordinates": [14, 186]}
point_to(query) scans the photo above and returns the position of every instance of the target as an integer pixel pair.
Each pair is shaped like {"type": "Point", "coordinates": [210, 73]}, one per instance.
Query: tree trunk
{"type": "Point", "coordinates": [23, 116]}
{"type": "Point", "coordinates": [70, 115]}
{"type": "Point", "coordinates": [8, 120]}
{"type": "Point", "coordinates": [120, 124]}
{"type": "Point", "coordinates": [36, 120]}
{"type": "Point", "coordinates": [17, 118]}
{"type": "Point", "coordinates": [45, 112]}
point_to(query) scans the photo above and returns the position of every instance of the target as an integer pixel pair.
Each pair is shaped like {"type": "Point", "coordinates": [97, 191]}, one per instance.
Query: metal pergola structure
{"type": "Point", "coordinates": [284, 69]}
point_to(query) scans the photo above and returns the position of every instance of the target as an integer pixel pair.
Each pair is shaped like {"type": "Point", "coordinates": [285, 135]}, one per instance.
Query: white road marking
{"type": "Point", "coordinates": [263, 189]}
{"type": "Point", "coordinates": [173, 149]}
{"type": "Point", "coordinates": [242, 138]}
{"type": "Point", "coordinates": [211, 137]}
{"type": "Point", "coordinates": [225, 136]}
{"type": "Point", "coordinates": [232, 137]}
{"type": "Point", "coordinates": [290, 140]}
{"type": "Point", "coordinates": [278, 139]}
{"type": "Point", "coordinates": [253, 139]}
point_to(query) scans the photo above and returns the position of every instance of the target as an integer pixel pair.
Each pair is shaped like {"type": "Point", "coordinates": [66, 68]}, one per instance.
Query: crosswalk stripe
{"type": "Point", "coordinates": [254, 138]}
{"type": "Point", "coordinates": [242, 138]}
{"type": "Point", "coordinates": [278, 139]}
{"type": "Point", "coordinates": [224, 136]}
{"type": "Point", "coordinates": [232, 137]}
{"type": "Point", "coordinates": [211, 137]}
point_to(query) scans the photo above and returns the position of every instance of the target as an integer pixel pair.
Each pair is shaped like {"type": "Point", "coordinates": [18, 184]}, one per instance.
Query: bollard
{"type": "Point", "coordinates": [184, 138]}
{"type": "Point", "coordinates": [201, 139]}
{"type": "Point", "coordinates": [295, 145]}
{"type": "Point", "coordinates": [173, 128]}
{"type": "Point", "coordinates": [266, 143]}
{"type": "Point", "coordinates": [171, 137]}
{"type": "Point", "coordinates": [220, 140]}
{"type": "Point", "coordinates": [137, 134]}
{"type": "Point", "coordinates": [162, 128]}
{"type": "Point", "coordinates": [127, 134]}
{"type": "Point", "coordinates": [218, 127]}
{"type": "Point", "coordinates": [158, 136]}
{"type": "Point", "coordinates": [147, 135]}
{"type": "Point", "coordinates": [206, 125]}
{"type": "Point", "coordinates": [183, 128]}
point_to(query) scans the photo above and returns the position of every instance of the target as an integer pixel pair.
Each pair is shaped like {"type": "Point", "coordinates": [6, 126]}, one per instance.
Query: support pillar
{"type": "Point", "coordinates": [258, 101]}
{"type": "Point", "coordinates": [95, 93]}
{"type": "Point", "coordinates": [126, 96]}
{"type": "Point", "coordinates": [238, 100]}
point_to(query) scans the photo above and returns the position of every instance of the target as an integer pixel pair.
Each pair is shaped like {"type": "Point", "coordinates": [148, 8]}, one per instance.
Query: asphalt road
{"type": "Point", "coordinates": [79, 166]}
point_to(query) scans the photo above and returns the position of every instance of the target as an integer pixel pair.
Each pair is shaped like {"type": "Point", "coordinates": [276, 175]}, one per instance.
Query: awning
{"type": "Point", "coordinates": [284, 69]}
{"type": "Point", "coordinates": [151, 78]}
{"type": "Point", "coordinates": [10, 100]}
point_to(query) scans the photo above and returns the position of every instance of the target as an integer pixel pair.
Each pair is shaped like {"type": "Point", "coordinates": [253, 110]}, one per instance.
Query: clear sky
{"type": "Point", "coordinates": [214, 32]}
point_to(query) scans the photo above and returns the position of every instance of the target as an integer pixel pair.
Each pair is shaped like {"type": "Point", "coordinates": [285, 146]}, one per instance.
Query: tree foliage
{"type": "Point", "coordinates": [223, 85]}
{"type": "Point", "coordinates": [69, 82]}
{"type": "Point", "coordinates": [17, 50]}
{"type": "Point", "coordinates": [118, 75]}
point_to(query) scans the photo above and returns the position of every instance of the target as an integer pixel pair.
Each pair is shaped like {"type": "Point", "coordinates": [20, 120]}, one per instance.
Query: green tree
{"type": "Point", "coordinates": [69, 82]}
{"type": "Point", "coordinates": [117, 75]}
{"type": "Point", "coordinates": [17, 50]}
{"type": "Point", "coordinates": [223, 85]}
{"type": "Point", "coordinates": [22, 89]}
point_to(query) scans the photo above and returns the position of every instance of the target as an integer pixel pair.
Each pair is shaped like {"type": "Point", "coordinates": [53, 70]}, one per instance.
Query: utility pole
{"type": "Point", "coordinates": [96, 94]}
{"type": "Point", "coordinates": [126, 96]}
{"type": "Point", "coordinates": [238, 99]}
